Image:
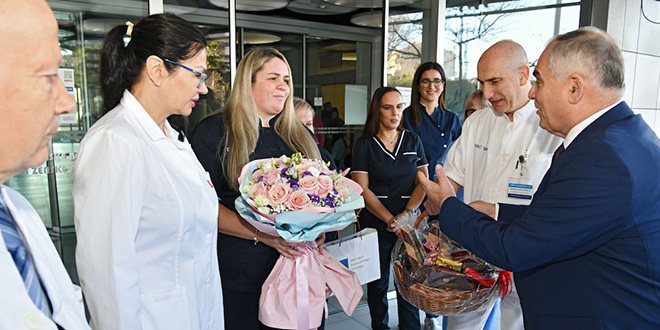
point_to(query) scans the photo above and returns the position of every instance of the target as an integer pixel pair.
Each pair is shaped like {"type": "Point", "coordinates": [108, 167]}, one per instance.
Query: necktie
{"type": "Point", "coordinates": [558, 152]}
{"type": "Point", "coordinates": [23, 262]}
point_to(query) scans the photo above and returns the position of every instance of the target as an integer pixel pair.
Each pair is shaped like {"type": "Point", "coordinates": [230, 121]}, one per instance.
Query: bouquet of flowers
{"type": "Point", "coordinates": [299, 199]}
{"type": "Point", "coordinates": [437, 275]}
{"type": "Point", "coordinates": [293, 184]}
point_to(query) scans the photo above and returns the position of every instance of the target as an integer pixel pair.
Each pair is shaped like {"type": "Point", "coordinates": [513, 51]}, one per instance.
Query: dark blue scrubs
{"type": "Point", "coordinates": [244, 266]}
{"type": "Point", "coordinates": [437, 131]}
{"type": "Point", "coordinates": [392, 180]}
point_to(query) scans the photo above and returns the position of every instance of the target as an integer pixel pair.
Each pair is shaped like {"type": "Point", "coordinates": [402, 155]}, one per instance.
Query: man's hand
{"type": "Point", "coordinates": [431, 207]}
{"type": "Point", "coordinates": [437, 192]}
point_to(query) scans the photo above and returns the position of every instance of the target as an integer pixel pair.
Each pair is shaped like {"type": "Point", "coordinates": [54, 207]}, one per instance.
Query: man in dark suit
{"type": "Point", "coordinates": [586, 252]}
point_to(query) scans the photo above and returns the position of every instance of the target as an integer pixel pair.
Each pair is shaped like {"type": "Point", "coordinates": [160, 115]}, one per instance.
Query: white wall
{"type": "Point", "coordinates": [639, 40]}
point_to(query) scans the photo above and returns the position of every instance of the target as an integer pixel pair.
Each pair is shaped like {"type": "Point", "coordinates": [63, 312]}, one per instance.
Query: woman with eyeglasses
{"type": "Point", "coordinates": [146, 213]}
{"type": "Point", "coordinates": [386, 161]}
{"type": "Point", "coordinates": [436, 126]}
{"type": "Point", "coordinates": [258, 121]}
{"type": "Point", "coordinates": [427, 115]}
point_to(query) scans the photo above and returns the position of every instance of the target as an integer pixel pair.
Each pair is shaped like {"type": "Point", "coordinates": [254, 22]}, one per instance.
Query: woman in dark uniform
{"type": "Point", "coordinates": [427, 115]}
{"type": "Point", "coordinates": [259, 121]}
{"type": "Point", "coordinates": [438, 128]}
{"type": "Point", "coordinates": [386, 162]}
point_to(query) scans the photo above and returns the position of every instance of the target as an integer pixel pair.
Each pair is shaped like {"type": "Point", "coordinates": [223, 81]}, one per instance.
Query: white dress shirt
{"type": "Point", "coordinates": [577, 129]}
{"type": "Point", "coordinates": [146, 222]}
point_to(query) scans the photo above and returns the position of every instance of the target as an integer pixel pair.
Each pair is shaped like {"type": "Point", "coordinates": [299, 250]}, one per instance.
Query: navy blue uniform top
{"type": "Point", "coordinates": [437, 132]}
{"type": "Point", "coordinates": [244, 266]}
{"type": "Point", "coordinates": [391, 174]}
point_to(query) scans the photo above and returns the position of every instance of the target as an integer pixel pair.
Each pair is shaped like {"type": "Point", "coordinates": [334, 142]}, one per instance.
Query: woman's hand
{"type": "Point", "coordinates": [319, 242]}
{"type": "Point", "coordinates": [285, 248]}
{"type": "Point", "coordinates": [391, 225]}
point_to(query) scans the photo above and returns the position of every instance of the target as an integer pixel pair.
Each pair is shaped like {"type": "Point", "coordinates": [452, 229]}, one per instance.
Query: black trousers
{"type": "Point", "coordinates": [377, 291]}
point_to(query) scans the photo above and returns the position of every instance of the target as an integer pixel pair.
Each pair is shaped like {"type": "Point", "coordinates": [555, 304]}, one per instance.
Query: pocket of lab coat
{"type": "Point", "coordinates": [166, 310]}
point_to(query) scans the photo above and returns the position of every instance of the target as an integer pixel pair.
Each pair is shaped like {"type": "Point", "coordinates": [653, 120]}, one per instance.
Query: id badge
{"type": "Point", "coordinates": [521, 188]}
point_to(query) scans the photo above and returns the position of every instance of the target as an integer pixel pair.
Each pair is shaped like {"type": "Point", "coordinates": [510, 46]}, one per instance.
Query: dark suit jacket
{"type": "Point", "coordinates": [586, 252]}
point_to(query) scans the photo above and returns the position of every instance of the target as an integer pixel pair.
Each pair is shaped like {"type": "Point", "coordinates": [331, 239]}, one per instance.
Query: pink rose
{"type": "Point", "coordinates": [256, 174]}
{"type": "Point", "coordinates": [257, 189]}
{"type": "Point", "coordinates": [270, 174]}
{"type": "Point", "coordinates": [325, 185]}
{"type": "Point", "coordinates": [298, 200]}
{"type": "Point", "coordinates": [279, 193]}
{"type": "Point", "coordinates": [306, 166]}
{"type": "Point", "coordinates": [344, 192]}
{"type": "Point", "coordinates": [308, 184]}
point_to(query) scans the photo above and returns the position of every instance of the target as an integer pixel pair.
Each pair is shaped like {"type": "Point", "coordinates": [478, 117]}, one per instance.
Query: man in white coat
{"type": "Point", "coordinates": [501, 156]}
{"type": "Point", "coordinates": [37, 292]}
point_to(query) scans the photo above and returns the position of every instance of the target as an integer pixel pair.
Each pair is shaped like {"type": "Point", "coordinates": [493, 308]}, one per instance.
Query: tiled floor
{"type": "Point", "coordinates": [360, 319]}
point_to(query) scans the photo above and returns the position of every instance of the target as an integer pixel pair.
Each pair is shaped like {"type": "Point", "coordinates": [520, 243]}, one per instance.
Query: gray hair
{"type": "Point", "coordinates": [590, 52]}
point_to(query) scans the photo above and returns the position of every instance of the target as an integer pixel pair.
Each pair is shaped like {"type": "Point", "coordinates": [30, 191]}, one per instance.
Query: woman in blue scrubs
{"type": "Point", "coordinates": [386, 162]}
{"type": "Point", "coordinates": [427, 115]}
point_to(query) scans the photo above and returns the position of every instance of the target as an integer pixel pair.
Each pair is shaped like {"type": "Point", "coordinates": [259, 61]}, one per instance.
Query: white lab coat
{"type": "Point", "coordinates": [146, 221]}
{"type": "Point", "coordinates": [17, 311]}
{"type": "Point", "coordinates": [484, 157]}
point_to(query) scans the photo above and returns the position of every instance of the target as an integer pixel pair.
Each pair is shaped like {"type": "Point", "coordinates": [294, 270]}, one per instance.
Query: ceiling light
{"type": "Point", "coordinates": [369, 3]}
{"type": "Point", "coordinates": [252, 5]}
{"type": "Point", "coordinates": [317, 7]}
{"type": "Point", "coordinates": [249, 38]}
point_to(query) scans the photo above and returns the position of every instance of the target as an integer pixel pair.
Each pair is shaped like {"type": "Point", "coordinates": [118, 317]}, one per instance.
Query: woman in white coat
{"type": "Point", "coordinates": [145, 210]}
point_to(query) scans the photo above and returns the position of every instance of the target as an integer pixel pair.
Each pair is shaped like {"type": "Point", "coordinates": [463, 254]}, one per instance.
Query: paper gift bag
{"type": "Point", "coordinates": [359, 253]}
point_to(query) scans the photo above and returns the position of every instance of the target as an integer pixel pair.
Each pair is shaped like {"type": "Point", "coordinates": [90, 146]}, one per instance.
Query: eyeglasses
{"type": "Point", "coordinates": [202, 76]}
{"type": "Point", "coordinates": [426, 82]}
{"type": "Point", "coordinates": [398, 107]}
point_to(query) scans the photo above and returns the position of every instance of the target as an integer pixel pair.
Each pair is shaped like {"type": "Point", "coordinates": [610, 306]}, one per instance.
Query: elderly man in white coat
{"type": "Point", "coordinates": [37, 292]}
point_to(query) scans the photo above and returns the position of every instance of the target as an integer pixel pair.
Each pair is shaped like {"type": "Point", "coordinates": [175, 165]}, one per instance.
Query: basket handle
{"type": "Point", "coordinates": [420, 218]}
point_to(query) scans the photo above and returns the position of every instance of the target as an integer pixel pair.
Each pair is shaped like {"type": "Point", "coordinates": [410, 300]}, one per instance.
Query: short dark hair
{"type": "Point", "coordinates": [163, 35]}
{"type": "Point", "coordinates": [371, 127]}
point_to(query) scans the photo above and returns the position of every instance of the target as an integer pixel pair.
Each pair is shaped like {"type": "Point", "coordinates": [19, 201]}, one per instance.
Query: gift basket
{"type": "Point", "coordinates": [437, 275]}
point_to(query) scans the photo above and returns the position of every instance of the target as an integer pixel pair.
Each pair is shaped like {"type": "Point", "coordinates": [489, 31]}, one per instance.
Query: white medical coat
{"type": "Point", "coordinates": [17, 311]}
{"type": "Point", "coordinates": [484, 157]}
{"type": "Point", "coordinates": [146, 221]}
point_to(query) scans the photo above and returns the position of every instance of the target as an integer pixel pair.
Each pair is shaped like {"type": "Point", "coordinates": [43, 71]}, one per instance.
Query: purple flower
{"type": "Point", "coordinates": [314, 198]}
{"type": "Point", "coordinates": [294, 184]}
{"type": "Point", "coordinates": [260, 178]}
{"type": "Point", "coordinates": [306, 173]}
{"type": "Point", "coordinates": [328, 202]}
{"type": "Point", "coordinates": [283, 172]}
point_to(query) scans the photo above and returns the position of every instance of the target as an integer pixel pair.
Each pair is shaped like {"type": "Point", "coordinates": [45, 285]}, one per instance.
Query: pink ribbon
{"type": "Point", "coordinates": [293, 296]}
{"type": "Point", "coordinates": [302, 289]}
